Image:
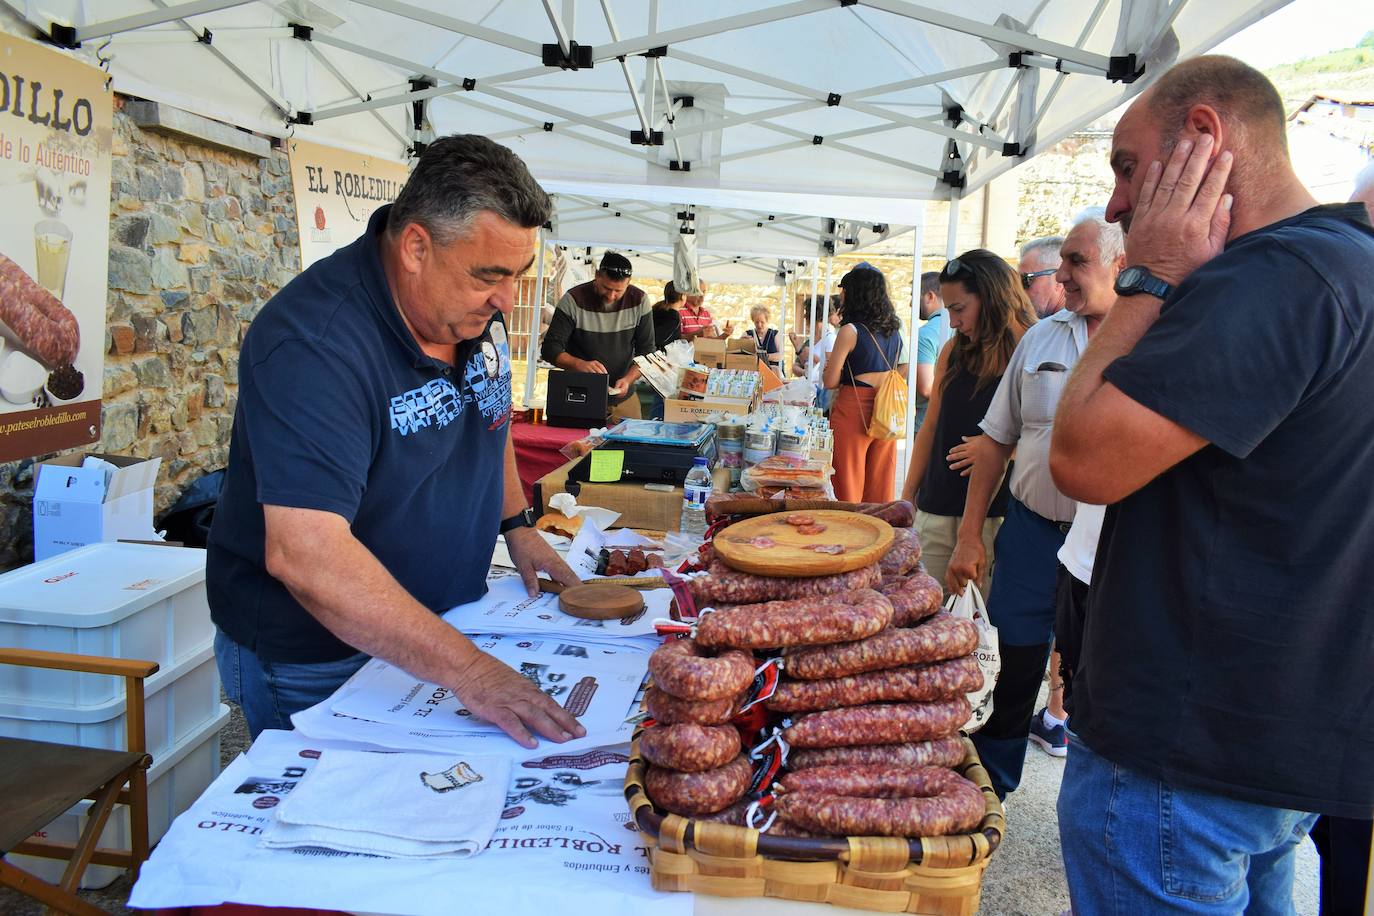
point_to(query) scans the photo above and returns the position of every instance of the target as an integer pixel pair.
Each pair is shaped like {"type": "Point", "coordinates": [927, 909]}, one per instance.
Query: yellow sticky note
{"type": "Point", "coordinates": [607, 465]}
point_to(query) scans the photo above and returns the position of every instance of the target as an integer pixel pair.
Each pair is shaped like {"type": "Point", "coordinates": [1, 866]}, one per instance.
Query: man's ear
{"type": "Point", "coordinates": [415, 247]}
{"type": "Point", "coordinates": [1203, 119]}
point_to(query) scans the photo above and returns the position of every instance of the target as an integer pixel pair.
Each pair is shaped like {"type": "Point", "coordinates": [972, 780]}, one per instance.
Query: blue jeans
{"type": "Point", "coordinates": [1133, 844]}
{"type": "Point", "coordinates": [270, 692]}
{"type": "Point", "coordinates": [1021, 605]}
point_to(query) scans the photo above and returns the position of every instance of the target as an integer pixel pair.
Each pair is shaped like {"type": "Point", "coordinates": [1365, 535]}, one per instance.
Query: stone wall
{"type": "Point", "coordinates": [200, 238]}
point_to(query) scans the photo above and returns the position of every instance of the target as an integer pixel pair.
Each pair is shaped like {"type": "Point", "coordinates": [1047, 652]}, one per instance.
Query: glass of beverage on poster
{"type": "Point", "coordinates": [53, 242]}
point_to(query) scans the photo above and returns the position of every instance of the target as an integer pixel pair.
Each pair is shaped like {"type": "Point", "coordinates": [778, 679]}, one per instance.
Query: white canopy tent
{"type": "Point", "coordinates": [840, 105]}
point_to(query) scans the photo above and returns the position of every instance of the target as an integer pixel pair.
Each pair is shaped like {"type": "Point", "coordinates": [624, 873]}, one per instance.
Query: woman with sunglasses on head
{"type": "Point", "coordinates": [989, 312]}
{"type": "Point", "coordinates": [868, 345]}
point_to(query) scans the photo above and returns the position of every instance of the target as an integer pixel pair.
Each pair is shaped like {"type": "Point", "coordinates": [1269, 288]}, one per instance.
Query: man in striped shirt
{"type": "Point", "coordinates": [600, 326]}
{"type": "Point", "coordinates": [696, 320]}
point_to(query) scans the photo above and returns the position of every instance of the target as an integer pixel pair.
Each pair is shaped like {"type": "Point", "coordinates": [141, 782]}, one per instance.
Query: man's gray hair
{"type": "Point", "coordinates": [1046, 250]}
{"type": "Point", "coordinates": [460, 176]}
{"type": "Point", "coordinates": [1111, 242]}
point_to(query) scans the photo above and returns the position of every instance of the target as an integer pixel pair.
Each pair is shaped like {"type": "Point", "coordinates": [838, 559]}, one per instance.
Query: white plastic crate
{"type": "Point", "coordinates": [173, 784]}
{"type": "Point", "coordinates": [178, 701]}
{"type": "Point", "coordinates": [119, 600]}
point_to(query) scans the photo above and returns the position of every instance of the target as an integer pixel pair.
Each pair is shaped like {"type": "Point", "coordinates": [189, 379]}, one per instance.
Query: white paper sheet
{"type": "Point", "coordinates": [582, 555]}
{"type": "Point", "coordinates": [596, 693]}
{"type": "Point", "coordinates": [565, 843]}
{"type": "Point", "coordinates": [507, 608]}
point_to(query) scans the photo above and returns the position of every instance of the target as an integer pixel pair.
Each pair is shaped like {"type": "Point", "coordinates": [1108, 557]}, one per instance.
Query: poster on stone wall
{"type": "Point", "coordinates": [336, 192]}
{"type": "Point", "coordinates": [56, 117]}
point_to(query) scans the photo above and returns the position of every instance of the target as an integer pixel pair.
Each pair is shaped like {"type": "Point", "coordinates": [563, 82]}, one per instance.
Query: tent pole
{"type": "Point", "coordinates": [811, 328]}
{"type": "Point", "coordinates": [918, 243]}
{"type": "Point", "coordinates": [952, 239]}
{"type": "Point", "coordinates": [536, 318]}
{"type": "Point", "coordinates": [782, 309]}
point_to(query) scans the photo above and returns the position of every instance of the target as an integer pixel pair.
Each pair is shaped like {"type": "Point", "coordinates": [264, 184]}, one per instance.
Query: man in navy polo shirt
{"type": "Point", "coordinates": [1221, 413]}
{"type": "Point", "coordinates": [371, 468]}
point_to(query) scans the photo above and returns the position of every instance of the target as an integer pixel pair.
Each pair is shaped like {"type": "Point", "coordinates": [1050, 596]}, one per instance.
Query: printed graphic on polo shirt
{"type": "Point", "coordinates": [486, 384]}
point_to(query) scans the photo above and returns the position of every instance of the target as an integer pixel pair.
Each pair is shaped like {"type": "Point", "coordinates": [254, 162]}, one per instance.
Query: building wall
{"type": "Point", "coordinates": [200, 238]}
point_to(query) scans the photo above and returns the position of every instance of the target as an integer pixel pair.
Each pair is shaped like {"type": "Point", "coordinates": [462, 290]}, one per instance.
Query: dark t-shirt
{"type": "Point", "coordinates": [1229, 642]}
{"type": "Point", "coordinates": [963, 404]}
{"type": "Point", "coordinates": [339, 410]}
{"type": "Point", "coordinates": [667, 326]}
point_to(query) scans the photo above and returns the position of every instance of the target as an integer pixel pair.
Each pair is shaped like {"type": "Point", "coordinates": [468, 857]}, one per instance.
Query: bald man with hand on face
{"type": "Point", "coordinates": [1221, 412]}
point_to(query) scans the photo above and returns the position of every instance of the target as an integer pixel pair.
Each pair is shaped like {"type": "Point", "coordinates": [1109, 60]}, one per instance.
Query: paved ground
{"type": "Point", "coordinates": [1025, 878]}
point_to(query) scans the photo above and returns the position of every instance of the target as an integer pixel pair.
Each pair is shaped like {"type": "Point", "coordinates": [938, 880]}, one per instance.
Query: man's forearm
{"type": "Point", "coordinates": [989, 466]}
{"type": "Point", "coordinates": [1127, 322]}
{"type": "Point", "coordinates": [343, 586]}
{"type": "Point", "coordinates": [566, 360]}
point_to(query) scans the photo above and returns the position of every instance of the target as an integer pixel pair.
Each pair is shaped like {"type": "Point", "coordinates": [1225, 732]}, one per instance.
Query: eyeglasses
{"type": "Point", "coordinates": [617, 273]}
{"type": "Point", "coordinates": [1028, 279]}
{"type": "Point", "coordinates": [952, 269]}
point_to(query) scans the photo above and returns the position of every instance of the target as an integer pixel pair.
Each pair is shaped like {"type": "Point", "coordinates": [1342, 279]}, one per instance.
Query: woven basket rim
{"type": "Point", "coordinates": [649, 818]}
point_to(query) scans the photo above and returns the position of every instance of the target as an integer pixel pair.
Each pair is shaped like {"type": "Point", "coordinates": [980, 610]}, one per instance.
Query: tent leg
{"type": "Point", "coordinates": [536, 320]}
{"type": "Point", "coordinates": [952, 240]}
{"type": "Point", "coordinates": [783, 310]}
{"type": "Point", "coordinates": [918, 242]}
{"type": "Point", "coordinates": [811, 328]}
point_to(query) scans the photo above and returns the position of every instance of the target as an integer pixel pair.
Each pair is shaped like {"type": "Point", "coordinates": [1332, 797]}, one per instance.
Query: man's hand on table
{"type": "Point", "coordinates": [500, 695]}
{"type": "Point", "coordinates": [533, 555]}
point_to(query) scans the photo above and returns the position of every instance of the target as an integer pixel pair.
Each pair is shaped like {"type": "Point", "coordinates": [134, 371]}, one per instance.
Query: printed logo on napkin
{"type": "Point", "coordinates": [455, 777]}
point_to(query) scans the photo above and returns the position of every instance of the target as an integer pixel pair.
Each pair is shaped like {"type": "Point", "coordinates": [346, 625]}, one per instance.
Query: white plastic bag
{"type": "Point", "coordinates": [970, 606]}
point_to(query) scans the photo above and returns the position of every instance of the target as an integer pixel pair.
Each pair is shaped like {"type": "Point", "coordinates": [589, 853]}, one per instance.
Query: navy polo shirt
{"type": "Point", "coordinates": [339, 410]}
{"type": "Point", "coordinates": [1229, 639]}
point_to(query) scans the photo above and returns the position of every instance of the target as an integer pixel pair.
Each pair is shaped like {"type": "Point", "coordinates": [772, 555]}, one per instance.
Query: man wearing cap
{"type": "Point", "coordinates": [601, 326]}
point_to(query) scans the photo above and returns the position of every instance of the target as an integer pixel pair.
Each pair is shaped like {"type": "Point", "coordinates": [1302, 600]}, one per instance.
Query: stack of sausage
{"type": "Point", "coordinates": [874, 690]}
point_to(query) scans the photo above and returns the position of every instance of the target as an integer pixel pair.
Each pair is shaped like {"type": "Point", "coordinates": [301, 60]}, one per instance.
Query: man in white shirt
{"type": "Point", "coordinates": [1021, 601]}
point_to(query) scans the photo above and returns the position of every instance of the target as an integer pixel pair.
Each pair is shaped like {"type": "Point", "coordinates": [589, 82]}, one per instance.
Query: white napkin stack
{"type": "Point", "coordinates": [400, 805]}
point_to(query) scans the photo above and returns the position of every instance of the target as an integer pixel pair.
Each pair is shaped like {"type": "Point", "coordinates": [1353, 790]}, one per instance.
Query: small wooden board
{"type": "Point", "coordinates": [865, 539]}
{"type": "Point", "coordinates": [595, 601]}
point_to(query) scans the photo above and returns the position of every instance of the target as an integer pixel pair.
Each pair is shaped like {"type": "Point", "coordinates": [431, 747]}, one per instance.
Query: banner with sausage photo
{"type": "Point", "coordinates": [336, 193]}
{"type": "Point", "coordinates": [56, 118]}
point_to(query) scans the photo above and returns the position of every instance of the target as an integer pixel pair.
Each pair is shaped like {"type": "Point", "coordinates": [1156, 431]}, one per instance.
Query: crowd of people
{"type": "Point", "coordinates": [1149, 445]}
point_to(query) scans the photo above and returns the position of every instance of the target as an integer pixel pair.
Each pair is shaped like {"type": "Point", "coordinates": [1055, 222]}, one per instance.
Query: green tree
{"type": "Point", "coordinates": [1367, 41]}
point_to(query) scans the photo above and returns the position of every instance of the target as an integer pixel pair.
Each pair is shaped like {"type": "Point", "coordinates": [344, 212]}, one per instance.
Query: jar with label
{"type": "Point", "coordinates": [794, 443]}
{"type": "Point", "coordinates": [759, 444]}
{"type": "Point", "coordinates": [730, 442]}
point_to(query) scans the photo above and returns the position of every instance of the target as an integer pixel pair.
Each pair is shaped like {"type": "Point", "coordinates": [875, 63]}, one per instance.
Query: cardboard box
{"type": "Point", "coordinates": [678, 410]}
{"type": "Point", "coordinates": [747, 362]}
{"type": "Point", "coordinates": [649, 507]}
{"type": "Point", "coordinates": [75, 506]}
{"type": "Point", "coordinates": [714, 352]}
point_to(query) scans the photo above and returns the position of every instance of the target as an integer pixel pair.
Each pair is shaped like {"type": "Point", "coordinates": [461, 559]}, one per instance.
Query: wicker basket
{"type": "Point", "coordinates": [938, 876]}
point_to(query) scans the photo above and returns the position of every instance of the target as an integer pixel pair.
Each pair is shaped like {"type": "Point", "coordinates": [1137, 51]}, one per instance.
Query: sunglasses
{"type": "Point", "coordinates": [1028, 279]}
{"type": "Point", "coordinates": [952, 269]}
{"type": "Point", "coordinates": [617, 273]}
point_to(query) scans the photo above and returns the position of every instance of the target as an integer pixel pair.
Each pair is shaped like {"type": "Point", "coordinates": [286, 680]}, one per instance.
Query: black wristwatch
{"type": "Point", "coordinates": [1136, 280]}
{"type": "Point", "coordinates": [521, 519]}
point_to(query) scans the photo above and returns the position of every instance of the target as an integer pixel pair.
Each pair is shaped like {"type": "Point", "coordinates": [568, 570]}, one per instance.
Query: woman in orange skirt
{"type": "Point", "coordinates": [869, 344]}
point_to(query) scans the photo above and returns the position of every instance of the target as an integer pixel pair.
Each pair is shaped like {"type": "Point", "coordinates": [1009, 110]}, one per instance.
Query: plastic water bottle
{"type": "Point", "coordinates": [695, 491]}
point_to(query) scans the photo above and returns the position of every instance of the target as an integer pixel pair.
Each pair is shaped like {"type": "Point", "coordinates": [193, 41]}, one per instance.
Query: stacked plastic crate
{"type": "Point", "coordinates": [125, 601]}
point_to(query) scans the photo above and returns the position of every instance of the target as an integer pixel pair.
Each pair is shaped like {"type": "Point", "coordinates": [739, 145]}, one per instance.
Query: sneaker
{"type": "Point", "coordinates": [1054, 741]}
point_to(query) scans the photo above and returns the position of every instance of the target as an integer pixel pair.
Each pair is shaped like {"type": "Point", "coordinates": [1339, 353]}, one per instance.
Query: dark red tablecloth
{"type": "Point", "coordinates": [537, 451]}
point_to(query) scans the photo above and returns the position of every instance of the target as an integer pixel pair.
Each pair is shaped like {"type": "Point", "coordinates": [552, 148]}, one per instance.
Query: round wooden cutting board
{"type": "Point", "coordinates": [600, 602]}
{"type": "Point", "coordinates": [746, 546]}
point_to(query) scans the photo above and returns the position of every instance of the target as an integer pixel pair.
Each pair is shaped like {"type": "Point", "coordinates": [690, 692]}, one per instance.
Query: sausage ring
{"type": "Point", "coordinates": [881, 723]}
{"type": "Point", "coordinates": [688, 747]}
{"type": "Point", "coordinates": [844, 617]}
{"type": "Point", "coordinates": [880, 801]}
{"type": "Point", "coordinates": [905, 552]}
{"type": "Point", "coordinates": [684, 670]}
{"type": "Point", "coordinates": [692, 794]}
{"type": "Point", "coordinates": [914, 597]}
{"type": "Point", "coordinates": [911, 683]}
{"type": "Point", "coordinates": [667, 709]}
{"type": "Point", "coordinates": [938, 638]}
{"type": "Point", "coordinates": [938, 752]}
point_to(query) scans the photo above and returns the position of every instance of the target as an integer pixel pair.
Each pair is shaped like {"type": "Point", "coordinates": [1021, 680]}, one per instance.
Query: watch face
{"type": "Point", "coordinates": [1130, 277]}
